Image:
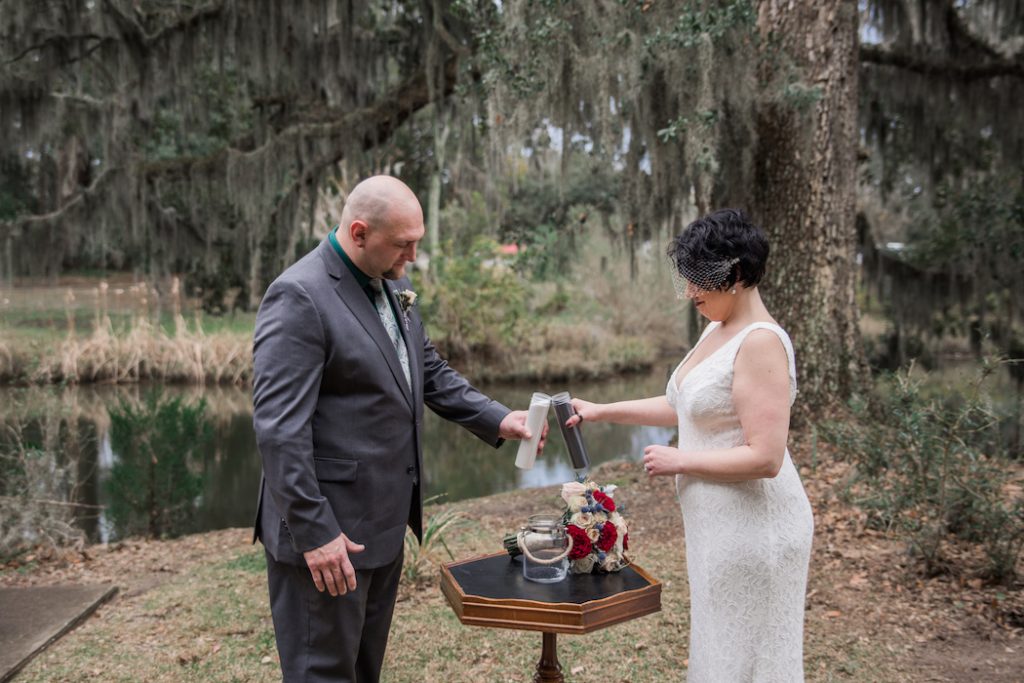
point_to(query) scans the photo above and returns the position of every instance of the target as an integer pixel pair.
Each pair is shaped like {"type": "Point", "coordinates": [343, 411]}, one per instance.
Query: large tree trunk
{"type": "Point", "coordinates": [805, 184]}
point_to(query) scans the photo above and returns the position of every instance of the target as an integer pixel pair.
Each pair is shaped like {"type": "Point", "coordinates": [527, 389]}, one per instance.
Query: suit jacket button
{"type": "Point", "coordinates": [410, 469]}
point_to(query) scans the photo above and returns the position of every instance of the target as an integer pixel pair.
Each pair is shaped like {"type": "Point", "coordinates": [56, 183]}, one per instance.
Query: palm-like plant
{"type": "Point", "coordinates": [419, 556]}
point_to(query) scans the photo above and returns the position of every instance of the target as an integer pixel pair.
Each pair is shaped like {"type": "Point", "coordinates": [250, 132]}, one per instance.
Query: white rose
{"type": "Point", "coordinates": [572, 489]}
{"type": "Point", "coordinates": [593, 534]}
{"type": "Point", "coordinates": [582, 519]}
{"type": "Point", "coordinates": [583, 565]}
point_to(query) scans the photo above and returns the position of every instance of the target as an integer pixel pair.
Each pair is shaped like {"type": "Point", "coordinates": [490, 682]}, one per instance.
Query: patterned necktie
{"type": "Point", "coordinates": [387, 316]}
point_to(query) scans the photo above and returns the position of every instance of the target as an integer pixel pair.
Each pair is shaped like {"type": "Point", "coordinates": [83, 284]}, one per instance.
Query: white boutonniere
{"type": "Point", "coordinates": [406, 300]}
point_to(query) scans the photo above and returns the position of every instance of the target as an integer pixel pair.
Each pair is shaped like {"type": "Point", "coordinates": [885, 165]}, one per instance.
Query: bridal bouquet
{"type": "Point", "coordinates": [599, 535]}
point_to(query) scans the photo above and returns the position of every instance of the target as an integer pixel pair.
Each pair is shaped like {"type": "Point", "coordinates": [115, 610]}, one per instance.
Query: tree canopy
{"type": "Point", "coordinates": [191, 136]}
{"type": "Point", "coordinates": [941, 93]}
{"type": "Point", "coordinates": [198, 136]}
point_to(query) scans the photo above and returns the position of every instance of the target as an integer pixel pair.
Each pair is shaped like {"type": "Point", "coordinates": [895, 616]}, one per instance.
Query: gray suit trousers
{"type": "Point", "coordinates": [340, 639]}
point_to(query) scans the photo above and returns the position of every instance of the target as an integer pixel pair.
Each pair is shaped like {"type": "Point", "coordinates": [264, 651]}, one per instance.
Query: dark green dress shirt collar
{"type": "Point", "coordinates": [362, 278]}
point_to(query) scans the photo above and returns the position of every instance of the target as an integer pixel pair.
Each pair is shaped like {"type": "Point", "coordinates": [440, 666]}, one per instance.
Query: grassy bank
{"type": "Point", "coordinates": [189, 354]}
{"type": "Point", "coordinates": [142, 351]}
{"type": "Point", "coordinates": [196, 608]}
{"type": "Point", "coordinates": [93, 330]}
{"type": "Point", "coordinates": [85, 333]}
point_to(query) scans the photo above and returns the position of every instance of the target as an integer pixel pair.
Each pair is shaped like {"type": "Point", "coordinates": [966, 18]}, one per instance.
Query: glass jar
{"type": "Point", "coordinates": [545, 545]}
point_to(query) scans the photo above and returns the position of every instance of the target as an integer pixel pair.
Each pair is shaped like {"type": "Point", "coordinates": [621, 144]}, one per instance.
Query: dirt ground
{"type": "Point", "coordinates": [871, 616]}
{"type": "Point", "coordinates": [863, 587]}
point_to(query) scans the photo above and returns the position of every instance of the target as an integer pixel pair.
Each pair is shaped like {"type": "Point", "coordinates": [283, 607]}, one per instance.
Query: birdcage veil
{"type": "Point", "coordinates": [703, 276]}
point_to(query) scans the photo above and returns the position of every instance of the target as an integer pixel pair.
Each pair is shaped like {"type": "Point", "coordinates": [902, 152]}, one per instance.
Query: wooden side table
{"type": "Point", "coordinates": [490, 591]}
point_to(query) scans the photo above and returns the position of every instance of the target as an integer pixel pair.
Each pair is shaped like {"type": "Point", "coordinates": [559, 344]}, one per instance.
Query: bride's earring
{"type": "Point", "coordinates": [733, 291]}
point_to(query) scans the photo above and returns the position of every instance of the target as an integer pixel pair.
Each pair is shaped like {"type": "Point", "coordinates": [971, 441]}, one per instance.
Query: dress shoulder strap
{"type": "Point", "coordinates": [707, 330]}
{"type": "Point", "coordinates": [787, 343]}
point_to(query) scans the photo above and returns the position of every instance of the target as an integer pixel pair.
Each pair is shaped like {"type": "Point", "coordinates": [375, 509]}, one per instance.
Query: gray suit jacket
{"type": "Point", "coordinates": [338, 427]}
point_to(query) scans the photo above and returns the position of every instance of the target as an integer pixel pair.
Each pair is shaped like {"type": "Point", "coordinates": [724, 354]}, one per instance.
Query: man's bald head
{"type": "Point", "coordinates": [381, 225]}
{"type": "Point", "coordinates": [374, 199]}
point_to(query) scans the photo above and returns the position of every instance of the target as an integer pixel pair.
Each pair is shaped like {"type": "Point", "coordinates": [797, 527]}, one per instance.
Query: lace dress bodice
{"type": "Point", "coordinates": [747, 543]}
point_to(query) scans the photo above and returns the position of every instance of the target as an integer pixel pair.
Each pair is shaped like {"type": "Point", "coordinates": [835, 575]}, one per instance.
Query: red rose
{"type": "Point", "coordinates": [605, 500]}
{"type": "Point", "coordinates": [625, 542]}
{"type": "Point", "coordinates": [580, 543]}
{"type": "Point", "coordinates": [607, 538]}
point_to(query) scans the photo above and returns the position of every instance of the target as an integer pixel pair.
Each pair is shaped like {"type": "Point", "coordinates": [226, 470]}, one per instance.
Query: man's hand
{"type": "Point", "coordinates": [514, 427]}
{"type": "Point", "coordinates": [330, 566]}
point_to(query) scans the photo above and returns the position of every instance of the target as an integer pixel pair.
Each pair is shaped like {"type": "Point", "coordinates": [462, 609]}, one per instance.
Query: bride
{"type": "Point", "coordinates": [747, 520]}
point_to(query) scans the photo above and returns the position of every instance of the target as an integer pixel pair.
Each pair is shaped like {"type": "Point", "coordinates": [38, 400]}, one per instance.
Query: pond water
{"type": "Point", "coordinates": [75, 423]}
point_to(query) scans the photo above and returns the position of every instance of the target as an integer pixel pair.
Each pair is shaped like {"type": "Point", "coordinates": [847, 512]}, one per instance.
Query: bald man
{"type": "Point", "coordinates": [342, 371]}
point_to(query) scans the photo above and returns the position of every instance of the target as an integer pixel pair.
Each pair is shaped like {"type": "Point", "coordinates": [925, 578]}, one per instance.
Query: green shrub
{"type": "Point", "coordinates": [934, 468]}
{"type": "Point", "coordinates": [474, 305]}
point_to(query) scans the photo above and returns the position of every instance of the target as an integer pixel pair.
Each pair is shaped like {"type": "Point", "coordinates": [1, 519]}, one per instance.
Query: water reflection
{"type": "Point", "coordinates": [456, 463]}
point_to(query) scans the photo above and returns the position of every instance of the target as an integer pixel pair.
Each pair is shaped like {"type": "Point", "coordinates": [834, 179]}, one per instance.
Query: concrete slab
{"type": "Point", "coordinates": [33, 618]}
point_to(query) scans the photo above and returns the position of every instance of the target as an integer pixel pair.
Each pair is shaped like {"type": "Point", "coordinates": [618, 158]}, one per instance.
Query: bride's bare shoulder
{"type": "Point", "coordinates": [763, 345]}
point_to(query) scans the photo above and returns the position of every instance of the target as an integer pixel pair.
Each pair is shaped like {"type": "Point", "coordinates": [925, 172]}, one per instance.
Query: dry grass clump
{"type": "Point", "coordinates": [6, 359]}
{"type": "Point", "coordinates": [147, 352]}
{"type": "Point", "coordinates": [140, 350]}
{"type": "Point", "coordinates": [36, 485]}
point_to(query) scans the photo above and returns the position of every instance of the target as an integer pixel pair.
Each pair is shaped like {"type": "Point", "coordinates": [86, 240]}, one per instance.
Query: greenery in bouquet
{"type": "Point", "coordinates": [600, 539]}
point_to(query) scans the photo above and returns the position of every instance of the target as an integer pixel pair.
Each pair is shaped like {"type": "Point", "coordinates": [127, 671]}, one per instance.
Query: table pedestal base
{"type": "Point", "coordinates": [548, 668]}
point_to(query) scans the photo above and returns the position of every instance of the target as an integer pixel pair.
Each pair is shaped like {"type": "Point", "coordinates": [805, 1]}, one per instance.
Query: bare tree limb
{"type": "Point", "coordinates": [389, 113]}
{"type": "Point", "coordinates": [12, 228]}
{"type": "Point", "coordinates": [59, 40]}
{"type": "Point", "coordinates": [385, 116]}
{"type": "Point", "coordinates": [84, 100]}
{"type": "Point", "coordinates": [131, 29]}
{"type": "Point", "coordinates": [962, 36]}
{"type": "Point", "coordinates": [932, 65]}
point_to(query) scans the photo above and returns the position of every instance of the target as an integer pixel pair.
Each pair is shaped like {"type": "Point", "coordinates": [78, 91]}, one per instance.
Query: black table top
{"type": "Point", "coordinates": [500, 577]}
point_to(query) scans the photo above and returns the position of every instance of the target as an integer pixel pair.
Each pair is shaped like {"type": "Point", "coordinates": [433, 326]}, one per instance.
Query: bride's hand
{"type": "Point", "coordinates": [585, 410]}
{"type": "Point", "coordinates": [661, 460]}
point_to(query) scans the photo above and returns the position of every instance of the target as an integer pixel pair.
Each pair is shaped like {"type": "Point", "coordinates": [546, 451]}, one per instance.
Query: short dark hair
{"type": "Point", "coordinates": [722, 235]}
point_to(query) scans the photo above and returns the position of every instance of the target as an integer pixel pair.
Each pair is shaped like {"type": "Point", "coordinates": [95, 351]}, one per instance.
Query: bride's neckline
{"type": "Point", "coordinates": [680, 380]}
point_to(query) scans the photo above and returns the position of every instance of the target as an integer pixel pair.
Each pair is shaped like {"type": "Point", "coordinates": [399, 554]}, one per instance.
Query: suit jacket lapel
{"type": "Point", "coordinates": [353, 296]}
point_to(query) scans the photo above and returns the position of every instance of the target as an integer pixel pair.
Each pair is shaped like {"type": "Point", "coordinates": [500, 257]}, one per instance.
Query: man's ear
{"type": "Point", "coordinates": [357, 230]}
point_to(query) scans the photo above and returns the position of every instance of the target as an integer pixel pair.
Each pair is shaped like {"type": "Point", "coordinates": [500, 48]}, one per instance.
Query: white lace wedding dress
{"type": "Point", "coordinates": [747, 544]}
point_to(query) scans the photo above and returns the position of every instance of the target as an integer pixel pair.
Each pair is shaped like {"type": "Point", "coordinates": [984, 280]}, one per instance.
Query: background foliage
{"type": "Point", "coordinates": [160, 445]}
